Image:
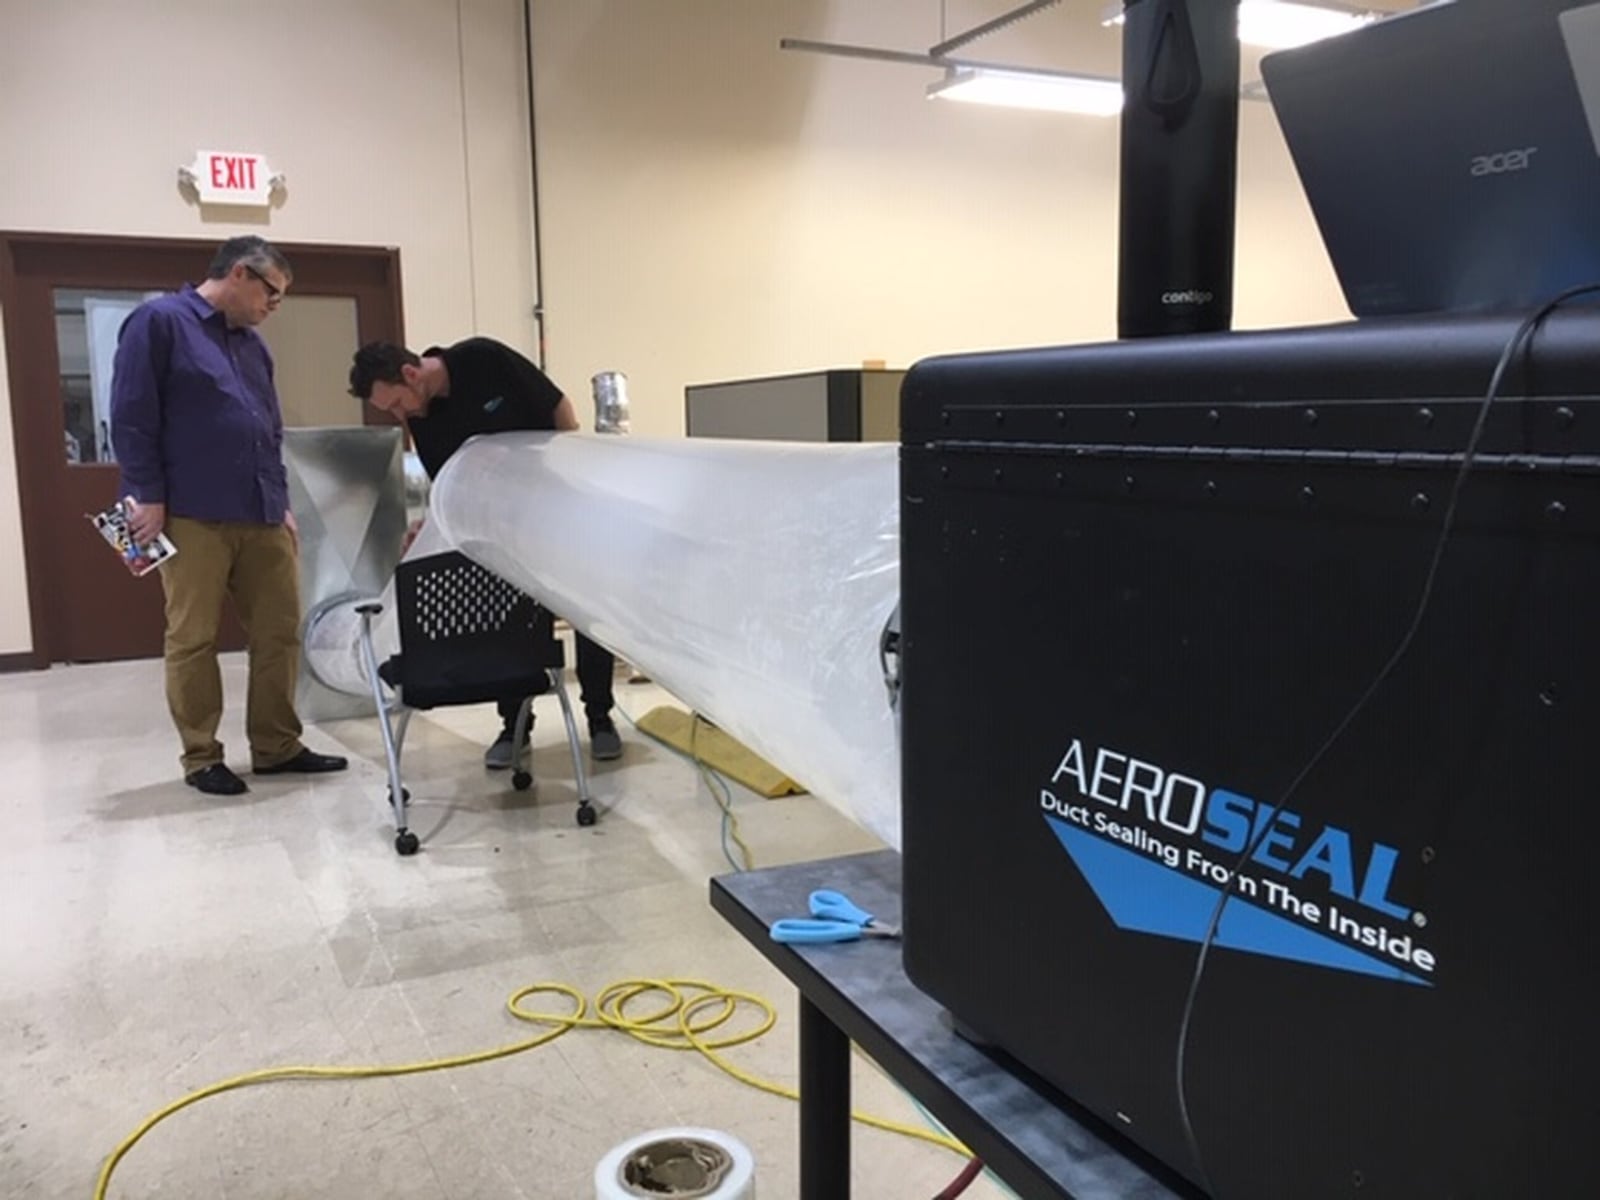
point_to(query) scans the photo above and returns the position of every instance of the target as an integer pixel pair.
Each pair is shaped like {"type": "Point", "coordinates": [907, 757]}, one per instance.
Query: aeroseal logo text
{"type": "Point", "coordinates": [1158, 846]}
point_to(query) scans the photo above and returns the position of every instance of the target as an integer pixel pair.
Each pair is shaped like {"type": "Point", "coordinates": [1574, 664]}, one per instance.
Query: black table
{"type": "Point", "coordinates": [858, 992]}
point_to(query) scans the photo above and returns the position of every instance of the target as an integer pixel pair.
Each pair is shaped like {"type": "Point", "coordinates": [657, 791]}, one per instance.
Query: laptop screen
{"type": "Point", "coordinates": [1451, 155]}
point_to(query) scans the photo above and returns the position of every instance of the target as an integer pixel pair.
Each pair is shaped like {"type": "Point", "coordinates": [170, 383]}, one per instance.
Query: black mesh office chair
{"type": "Point", "coordinates": [466, 637]}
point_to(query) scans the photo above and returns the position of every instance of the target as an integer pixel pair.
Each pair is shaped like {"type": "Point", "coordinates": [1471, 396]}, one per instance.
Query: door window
{"type": "Point", "coordinates": [312, 339]}
{"type": "Point", "coordinates": [87, 324]}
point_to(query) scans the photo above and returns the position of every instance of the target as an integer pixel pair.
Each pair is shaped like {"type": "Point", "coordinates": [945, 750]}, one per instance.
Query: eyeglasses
{"type": "Point", "coordinates": [274, 292]}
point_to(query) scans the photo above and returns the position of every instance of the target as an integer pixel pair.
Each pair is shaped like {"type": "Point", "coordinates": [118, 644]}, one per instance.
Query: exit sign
{"type": "Point", "coordinates": [231, 177]}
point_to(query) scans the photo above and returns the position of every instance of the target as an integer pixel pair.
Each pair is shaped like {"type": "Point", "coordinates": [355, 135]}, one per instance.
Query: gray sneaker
{"type": "Point", "coordinates": [604, 742]}
{"type": "Point", "coordinates": [501, 756]}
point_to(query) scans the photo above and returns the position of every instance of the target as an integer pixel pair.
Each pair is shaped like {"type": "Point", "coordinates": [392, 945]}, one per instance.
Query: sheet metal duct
{"type": "Point", "coordinates": [348, 493]}
{"type": "Point", "coordinates": [332, 644]}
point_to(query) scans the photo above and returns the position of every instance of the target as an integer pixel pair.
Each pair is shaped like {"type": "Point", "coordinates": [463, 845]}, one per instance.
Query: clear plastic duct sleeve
{"type": "Point", "coordinates": [753, 580]}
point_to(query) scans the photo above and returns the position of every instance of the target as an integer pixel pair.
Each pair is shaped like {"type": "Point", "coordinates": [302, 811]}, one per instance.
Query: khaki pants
{"type": "Point", "coordinates": [255, 566]}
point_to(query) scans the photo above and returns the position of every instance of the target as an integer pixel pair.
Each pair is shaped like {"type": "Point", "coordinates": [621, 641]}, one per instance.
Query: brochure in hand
{"type": "Point", "coordinates": [141, 560]}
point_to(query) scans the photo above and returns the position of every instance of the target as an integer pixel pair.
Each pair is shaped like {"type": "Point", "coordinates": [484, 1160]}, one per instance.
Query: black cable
{"type": "Point", "coordinates": [1264, 825]}
{"type": "Point", "coordinates": [533, 180]}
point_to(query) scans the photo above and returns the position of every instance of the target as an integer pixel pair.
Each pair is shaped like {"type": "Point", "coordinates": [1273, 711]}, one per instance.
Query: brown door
{"type": "Point", "coordinates": [64, 298]}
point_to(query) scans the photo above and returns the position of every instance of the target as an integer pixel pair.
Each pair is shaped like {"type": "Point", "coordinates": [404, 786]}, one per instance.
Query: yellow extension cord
{"type": "Point", "coordinates": [609, 1009]}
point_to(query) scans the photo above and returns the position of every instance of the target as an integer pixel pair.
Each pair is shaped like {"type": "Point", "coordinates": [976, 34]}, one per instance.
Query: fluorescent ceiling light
{"type": "Point", "coordinates": [1279, 25]}
{"type": "Point", "coordinates": [1027, 89]}
{"type": "Point", "coordinates": [1283, 24]}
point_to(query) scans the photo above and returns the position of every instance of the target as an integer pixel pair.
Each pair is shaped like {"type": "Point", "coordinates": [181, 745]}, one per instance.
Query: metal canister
{"type": "Point", "coordinates": [417, 484]}
{"type": "Point", "coordinates": [610, 402]}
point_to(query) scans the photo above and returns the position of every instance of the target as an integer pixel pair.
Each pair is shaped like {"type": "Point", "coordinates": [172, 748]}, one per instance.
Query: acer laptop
{"type": "Point", "coordinates": [1451, 155]}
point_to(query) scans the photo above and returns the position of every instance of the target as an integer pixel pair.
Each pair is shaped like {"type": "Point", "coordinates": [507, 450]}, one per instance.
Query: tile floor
{"type": "Point", "coordinates": [153, 941]}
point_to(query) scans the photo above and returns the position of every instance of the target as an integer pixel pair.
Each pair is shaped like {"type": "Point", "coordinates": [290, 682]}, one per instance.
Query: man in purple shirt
{"type": "Point", "coordinates": [199, 437]}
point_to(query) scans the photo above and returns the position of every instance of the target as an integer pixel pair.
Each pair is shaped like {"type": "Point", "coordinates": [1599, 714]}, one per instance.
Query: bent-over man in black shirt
{"type": "Point", "coordinates": [449, 394]}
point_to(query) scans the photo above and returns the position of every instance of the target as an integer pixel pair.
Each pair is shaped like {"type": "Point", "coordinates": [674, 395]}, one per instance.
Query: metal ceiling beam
{"type": "Point", "coordinates": [839, 50]}
{"type": "Point", "coordinates": [942, 63]}
{"type": "Point", "coordinates": [988, 27]}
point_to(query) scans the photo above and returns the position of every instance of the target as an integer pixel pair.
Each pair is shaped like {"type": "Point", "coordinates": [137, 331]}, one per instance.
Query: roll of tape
{"type": "Point", "coordinates": [677, 1164]}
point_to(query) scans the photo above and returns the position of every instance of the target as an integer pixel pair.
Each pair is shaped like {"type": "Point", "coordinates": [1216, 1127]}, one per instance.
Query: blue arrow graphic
{"type": "Point", "coordinates": [1146, 896]}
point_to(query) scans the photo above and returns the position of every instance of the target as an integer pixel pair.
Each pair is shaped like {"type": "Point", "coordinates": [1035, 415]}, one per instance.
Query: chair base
{"type": "Point", "coordinates": [394, 718]}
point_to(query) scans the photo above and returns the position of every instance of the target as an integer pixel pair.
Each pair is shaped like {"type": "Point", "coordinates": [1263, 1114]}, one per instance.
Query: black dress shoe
{"type": "Point", "coordinates": [307, 762]}
{"type": "Point", "coordinates": [217, 780]}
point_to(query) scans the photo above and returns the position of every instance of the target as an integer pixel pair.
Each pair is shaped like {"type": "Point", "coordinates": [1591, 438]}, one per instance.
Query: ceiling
{"type": "Point", "coordinates": [1069, 36]}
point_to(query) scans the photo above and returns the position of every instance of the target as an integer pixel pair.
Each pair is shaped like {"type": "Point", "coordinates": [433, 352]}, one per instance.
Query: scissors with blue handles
{"type": "Point", "coordinates": [833, 919]}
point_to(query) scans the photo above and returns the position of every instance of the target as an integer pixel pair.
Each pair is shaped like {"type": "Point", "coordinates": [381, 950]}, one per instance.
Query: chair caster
{"type": "Point", "coordinates": [405, 843]}
{"type": "Point", "coordinates": [586, 814]}
{"type": "Point", "coordinates": [522, 781]}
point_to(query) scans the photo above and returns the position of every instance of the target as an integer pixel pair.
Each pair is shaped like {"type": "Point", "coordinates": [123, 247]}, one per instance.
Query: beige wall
{"type": "Point", "coordinates": [715, 208]}
{"type": "Point", "coordinates": [712, 208]}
